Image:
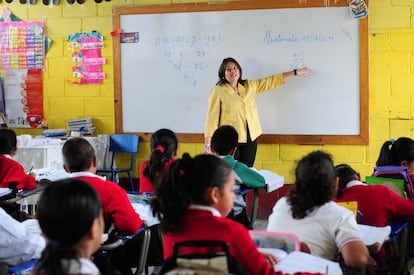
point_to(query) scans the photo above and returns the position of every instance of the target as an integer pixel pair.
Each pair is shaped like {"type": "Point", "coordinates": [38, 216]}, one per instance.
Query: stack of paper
{"type": "Point", "coordinates": [82, 125]}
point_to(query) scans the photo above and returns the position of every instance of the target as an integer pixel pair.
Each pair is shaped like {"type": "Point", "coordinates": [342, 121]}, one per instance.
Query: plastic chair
{"type": "Point", "coordinates": [121, 143]}
{"type": "Point", "coordinates": [144, 248]}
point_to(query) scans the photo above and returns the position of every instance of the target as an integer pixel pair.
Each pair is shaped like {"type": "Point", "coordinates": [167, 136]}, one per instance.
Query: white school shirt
{"type": "Point", "coordinates": [326, 229]}
{"type": "Point", "coordinates": [80, 266]}
{"type": "Point", "coordinates": [17, 243]}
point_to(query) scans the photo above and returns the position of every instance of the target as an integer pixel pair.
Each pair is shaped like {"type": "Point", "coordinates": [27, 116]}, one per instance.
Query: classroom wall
{"type": "Point", "coordinates": [391, 38]}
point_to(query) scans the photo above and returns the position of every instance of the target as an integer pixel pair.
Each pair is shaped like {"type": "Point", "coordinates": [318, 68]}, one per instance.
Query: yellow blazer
{"type": "Point", "coordinates": [225, 107]}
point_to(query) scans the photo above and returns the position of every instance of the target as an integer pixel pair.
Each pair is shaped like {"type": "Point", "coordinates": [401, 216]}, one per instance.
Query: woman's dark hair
{"type": "Point", "coordinates": [185, 183]}
{"type": "Point", "coordinates": [224, 140]}
{"type": "Point", "coordinates": [66, 211]}
{"type": "Point", "coordinates": [163, 146]}
{"type": "Point", "coordinates": [345, 173]}
{"type": "Point", "coordinates": [314, 184]}
{"type": "Point", "coordinates": [222, 71]}
{"type": "Point", "coordinates": [394, 152]}
{"type": "Point", "coordinates": [8, 141]}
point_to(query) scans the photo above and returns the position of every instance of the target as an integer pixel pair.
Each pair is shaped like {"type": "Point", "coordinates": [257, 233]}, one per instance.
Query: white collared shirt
{"type": "Point", "coordinates": [213, 210]}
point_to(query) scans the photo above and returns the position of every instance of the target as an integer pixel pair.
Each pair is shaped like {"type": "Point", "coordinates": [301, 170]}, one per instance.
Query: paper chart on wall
{"type": "Point", "coordinates": [22, 45]}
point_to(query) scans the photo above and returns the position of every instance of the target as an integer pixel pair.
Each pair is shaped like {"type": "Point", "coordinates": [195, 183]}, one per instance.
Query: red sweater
{"type": "Point", "coordinates": [379, 204]}
{"type": "Point", "coordinates": [203, 225]}
{"type": "Point", "coordinates": [145, 184]}
{"type": "Point", "coordinates": [116, 206]}
{"type": "Point", "coordinates": [12, 171]}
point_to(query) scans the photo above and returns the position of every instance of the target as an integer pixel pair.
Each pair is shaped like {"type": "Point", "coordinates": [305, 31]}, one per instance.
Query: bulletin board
{"type": "Point", "coordinates": [169, 57]}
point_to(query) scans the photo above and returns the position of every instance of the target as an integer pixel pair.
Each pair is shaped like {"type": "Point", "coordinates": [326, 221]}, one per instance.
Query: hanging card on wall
{"type": "Point", "coordinates": [86, 58]}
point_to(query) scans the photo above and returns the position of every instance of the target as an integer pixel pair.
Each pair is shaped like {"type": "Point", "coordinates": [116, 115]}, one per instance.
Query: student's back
{"type": "Point", "coordinates": [70, 216]}
{"type": "Point", "coordinates": [164, 145]}
{"type": "Point", "coordinates": [224, 144]}
{"type": "Point", "coordinates": [80, 160]}
{"type": "Point", "coordinates": [309, 212]}
{"type": "Point", "coordinates": [192, 201]}
{"type": "Point", "coordinates": [10, 170]}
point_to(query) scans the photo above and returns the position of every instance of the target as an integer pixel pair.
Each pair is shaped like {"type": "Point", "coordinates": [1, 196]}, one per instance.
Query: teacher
{"type": "Point", "coordinates": [232, 102]}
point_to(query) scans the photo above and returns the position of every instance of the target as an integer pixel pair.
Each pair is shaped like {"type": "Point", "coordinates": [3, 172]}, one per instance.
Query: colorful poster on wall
{"type": "Point", "coordinates": [86, 58]}
{"type": "Point", "coordinates": [23, 92]}
{"type": "Point", "coordinates": [22, 45]}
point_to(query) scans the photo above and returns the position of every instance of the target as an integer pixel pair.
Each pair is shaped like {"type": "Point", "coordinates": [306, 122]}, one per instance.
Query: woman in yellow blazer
{"type": "Point", "coordinates": [232, 102]}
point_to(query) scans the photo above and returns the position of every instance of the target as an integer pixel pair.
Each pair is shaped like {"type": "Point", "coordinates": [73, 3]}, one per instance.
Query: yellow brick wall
{"type": "Point", "coordinates": [391, 62]}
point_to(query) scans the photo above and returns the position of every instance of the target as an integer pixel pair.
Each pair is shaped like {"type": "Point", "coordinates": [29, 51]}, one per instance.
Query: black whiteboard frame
{"type": "Point", "coordinates": [360, 139]}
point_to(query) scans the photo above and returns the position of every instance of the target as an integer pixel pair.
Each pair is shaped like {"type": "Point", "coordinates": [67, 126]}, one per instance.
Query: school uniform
{"type": "Point", "coordinates": [326, 229]}
{"type": "Point", "coordinates": [17, 244]}
{"type": "Point", "coordinates": [245, 177]}
{"type": "Point", "coordinates": [377, 203]}
{"type": "Point", "coordinates": [116, 206]}
{"type": "Point", "coordinates": [80, 266]}
{"type": "Point", "coordinates": [145, 184]}
{"type": "Point", "coordinates": [205, 223]}
{"type": "Point", "coordinates": [12, 171]}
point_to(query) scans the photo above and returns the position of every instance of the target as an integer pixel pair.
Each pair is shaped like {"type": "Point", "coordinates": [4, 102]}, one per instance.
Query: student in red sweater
{"type": "Point", "coordinates": [10, 170]}
{"type": "Point", "coordinates": [80, 160]}
{"type": "Point", "coordinates": [164, 145]}
{"type": "Point", "coordinates": [378, 203]}
{"type": "Point", "coordinates": [192, 202]}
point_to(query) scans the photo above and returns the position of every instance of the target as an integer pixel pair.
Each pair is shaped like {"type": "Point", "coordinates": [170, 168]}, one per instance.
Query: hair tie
{"type": "Point", "coordinates": [160, 148]}
{"type": "Point", "coordinates": [52, 242]}
{"type": "Point", "coordinates": [392, 141]}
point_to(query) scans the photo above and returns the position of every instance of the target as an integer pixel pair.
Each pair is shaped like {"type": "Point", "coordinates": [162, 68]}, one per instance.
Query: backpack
{"type": "Point", "coordinates": [397, 172]}
{"type": "Point", "coordinates": [219, 263]}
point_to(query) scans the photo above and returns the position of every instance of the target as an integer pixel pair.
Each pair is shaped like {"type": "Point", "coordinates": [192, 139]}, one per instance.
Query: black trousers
{"type": "Point", "coordinates": [246, 152]}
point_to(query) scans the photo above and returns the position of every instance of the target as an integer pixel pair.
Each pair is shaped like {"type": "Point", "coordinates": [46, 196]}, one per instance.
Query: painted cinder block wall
{"type": "Point", "coordinates": [391, 65]}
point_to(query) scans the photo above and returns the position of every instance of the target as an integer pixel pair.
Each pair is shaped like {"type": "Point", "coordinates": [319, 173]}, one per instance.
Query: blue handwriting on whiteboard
{"type": "Point", "coordinates": [188, 53]}
{"type": "Point", "coordinates": [270, 38]}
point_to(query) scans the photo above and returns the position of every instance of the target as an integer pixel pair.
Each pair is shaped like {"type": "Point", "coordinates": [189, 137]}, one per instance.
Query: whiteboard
{"type": "Point", "coordinates": [166, 77]}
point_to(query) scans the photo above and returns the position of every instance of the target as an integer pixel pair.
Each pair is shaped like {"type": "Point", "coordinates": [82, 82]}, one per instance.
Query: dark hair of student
{"type": "Point", "coordinates": [394, 152]}
{"type": "Point", "coordinates": [345, 173]}
{"type": "Point", "coordinates": [222, 71]}
{"type": "Point", "coordinates": [8, 141]}
{"type": "Point", "coordinates": [314, 184]}
{"type": "Point", "coordinates": [78, 154]}
{"type": "Point", "coordinates": [224, 140]}
{"type": "Point", "coordinates": [66, 211]}
{"type": "Point", "coordinates": [186, 183]}
{"type": "Point", "coordinates": [163, 146]}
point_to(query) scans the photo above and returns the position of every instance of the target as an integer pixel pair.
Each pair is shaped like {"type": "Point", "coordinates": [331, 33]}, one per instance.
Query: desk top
{"type": "Point", "coordinates": [14, 197]}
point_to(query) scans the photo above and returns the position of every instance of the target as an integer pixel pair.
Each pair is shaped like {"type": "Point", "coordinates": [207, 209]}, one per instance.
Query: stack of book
{"type": "Point", "coordinates": [81, 125]}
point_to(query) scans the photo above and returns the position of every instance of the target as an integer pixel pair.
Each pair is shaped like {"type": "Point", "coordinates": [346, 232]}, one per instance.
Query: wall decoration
{"type": "Point", "coordinates": [86, 58]}
{"type": "Point", "coordinates": [22, 45]}
{"type": "Point", "coordinates": [23, 92]}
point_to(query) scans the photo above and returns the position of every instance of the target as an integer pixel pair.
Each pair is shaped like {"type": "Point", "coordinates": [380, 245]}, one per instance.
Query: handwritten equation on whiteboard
{"type": "Point", "coordinates": [188, 53]}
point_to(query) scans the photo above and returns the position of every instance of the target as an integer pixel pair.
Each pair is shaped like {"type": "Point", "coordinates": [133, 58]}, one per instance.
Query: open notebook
{"type": "Point", "coordinates": [285, 247]}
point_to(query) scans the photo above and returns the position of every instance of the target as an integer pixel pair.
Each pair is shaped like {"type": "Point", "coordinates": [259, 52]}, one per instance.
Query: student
{"type": "Point", "coordinates": [79, 159]}
{"type": "Point", "coordinates": [164, 145]}
{"type": "Point", "coordinates": [10, 170]}
{"type": "Point", "coordinates": [70, 216]}
{"type": "Point", "coordinates": [17, 243]}
{"type": "Point", "coordinates": [398, 152]}
{"type": "Point", "coordinates": [224, 145]}
{"type": "Point", "coordinates": [192, 202]}
{"type": "Point", "coordinates": [309, 212]}
{"type": "Point", "coordinates": [377, 203]}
